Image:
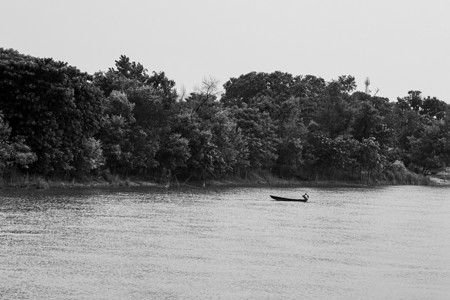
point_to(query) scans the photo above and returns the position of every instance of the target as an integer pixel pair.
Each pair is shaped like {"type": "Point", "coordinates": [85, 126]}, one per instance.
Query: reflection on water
{"type": "Point", "coordinates": [346, 243]}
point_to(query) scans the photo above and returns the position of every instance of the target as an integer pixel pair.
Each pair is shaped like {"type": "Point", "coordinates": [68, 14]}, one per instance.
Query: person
{"type": "Point", "coordinates": [306, 196]}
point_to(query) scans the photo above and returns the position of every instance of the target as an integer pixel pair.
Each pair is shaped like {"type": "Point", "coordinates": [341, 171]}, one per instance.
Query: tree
{"type": "Point", "coordinates": [53, 106]}
{"type": "Point", "coordinates": [434, 108]}
{"type": "Point", "coordinates": [232, 151]}
{"type": "Point", "coordinates": [91, 157]}
{"type": "Point", "coordinates": [259, 133]}
{"type": "Point", "coordinates": [346, 83]}
{"type": "Point", "coordinates": [248, 87]}
{"type": "Point", "coordinates": [369, 157]}
{"type": "Point", "coordinates": [202, 150]}
{"type": "Point", "coordinates": [137, 133]}
{"type": "Point", "coordinates": [416, 121]}
{"type": "Point", "coordinates": [308, 86]}
{"type": "Point", "coordinates": [131, 70]}
{"type": "Point", "coordinates": [208, 91]}
{"type": "Point", "coordinates": [173, 155]}
{"type": "Point", "coordinates": [430, 151]}
{"type": "Point", "coordinates": [334, 111]}
{"type": "Point", "coordinates": [115, 132]}
{"type": "Point", "coordinates": [326, 156]}
{"type": "Point", "coordinates": [131, 75]}
{"type": "Point", "coordinates": [13, 153]}
{"type": "Point", "coordinates": [407, 123]}
{"type": "Point", "coordinates": [292, 132]}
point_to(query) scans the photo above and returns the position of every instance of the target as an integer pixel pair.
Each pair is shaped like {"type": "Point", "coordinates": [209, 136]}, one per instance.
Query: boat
{"type": "Point", "coordinates": [288, 199]}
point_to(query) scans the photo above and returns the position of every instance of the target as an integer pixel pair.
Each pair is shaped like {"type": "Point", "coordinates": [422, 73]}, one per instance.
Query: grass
{"type": "Point", "coordinates": [392, 176]}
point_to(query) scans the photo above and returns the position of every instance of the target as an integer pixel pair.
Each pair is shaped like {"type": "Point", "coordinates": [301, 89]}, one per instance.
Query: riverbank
{"type": "Point", "coordinates": [441, 178]}
{"type": "Point", "coordinates": [123, 183]}
{"type": "Point", "coordinates": [253, 180]}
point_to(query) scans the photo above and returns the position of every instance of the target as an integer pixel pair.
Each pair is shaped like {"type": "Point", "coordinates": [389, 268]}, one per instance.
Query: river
{"type": "Point", "coordinates": [225, 243]}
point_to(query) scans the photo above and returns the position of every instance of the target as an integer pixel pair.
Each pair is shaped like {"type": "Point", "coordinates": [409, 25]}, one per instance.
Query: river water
{"type": "Point", "coordinates": [230, 243]}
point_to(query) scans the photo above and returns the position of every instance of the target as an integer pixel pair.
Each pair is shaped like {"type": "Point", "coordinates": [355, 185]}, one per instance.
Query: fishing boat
{"type": "Point", "coordinates": [288, 199]}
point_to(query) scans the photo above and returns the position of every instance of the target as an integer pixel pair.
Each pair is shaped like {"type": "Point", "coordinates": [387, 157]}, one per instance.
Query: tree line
{"type": "Point", "coordinates": [59, 122]}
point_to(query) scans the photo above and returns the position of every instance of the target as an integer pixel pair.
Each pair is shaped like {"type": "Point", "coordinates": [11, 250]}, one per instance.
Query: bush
{"type": "Point", "coordinates": [41, 184]}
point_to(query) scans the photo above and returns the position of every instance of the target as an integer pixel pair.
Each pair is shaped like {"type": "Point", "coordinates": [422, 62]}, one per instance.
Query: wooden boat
{"type": "Point", "coordinates": [287, 199]}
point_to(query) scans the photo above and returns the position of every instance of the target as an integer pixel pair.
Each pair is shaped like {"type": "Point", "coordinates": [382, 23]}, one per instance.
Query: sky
{"type": "Point", "coordinates": [400, 45]}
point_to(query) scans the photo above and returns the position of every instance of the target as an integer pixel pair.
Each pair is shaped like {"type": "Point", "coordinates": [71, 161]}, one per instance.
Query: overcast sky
{"type": "Point", "coordinates": [400, 45]}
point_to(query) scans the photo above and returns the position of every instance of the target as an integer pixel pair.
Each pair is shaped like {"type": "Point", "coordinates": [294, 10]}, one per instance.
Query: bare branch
{"type": "Point", "coordinates": [209, 88]}
{"type": "Point", "coordinates": [376, 92]}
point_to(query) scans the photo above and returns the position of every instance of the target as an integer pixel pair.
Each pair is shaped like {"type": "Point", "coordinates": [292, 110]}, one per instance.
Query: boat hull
{"type": "Point", "coordinates": [287, 199]}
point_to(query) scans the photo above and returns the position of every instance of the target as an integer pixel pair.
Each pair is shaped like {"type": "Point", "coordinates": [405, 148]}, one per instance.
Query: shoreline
{"type": "Point", "coordinates": [41, 184]}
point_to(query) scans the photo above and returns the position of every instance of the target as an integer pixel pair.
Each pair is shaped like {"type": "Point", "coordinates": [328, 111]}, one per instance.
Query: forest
{"type": "Point", "coordinates": [57, 122]}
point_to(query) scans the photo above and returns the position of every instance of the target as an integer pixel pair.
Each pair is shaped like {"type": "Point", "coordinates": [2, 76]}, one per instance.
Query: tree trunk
{"type": "Point", "coordinates": [360, 175]}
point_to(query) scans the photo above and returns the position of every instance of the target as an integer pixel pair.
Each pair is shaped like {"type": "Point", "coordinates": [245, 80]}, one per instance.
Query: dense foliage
{"type": "Point", "coordinates": [58, 122]}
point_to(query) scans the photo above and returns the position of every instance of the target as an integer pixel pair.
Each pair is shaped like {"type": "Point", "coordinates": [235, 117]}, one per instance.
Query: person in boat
{"type": "Point", "coordinates": [306, 196]}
